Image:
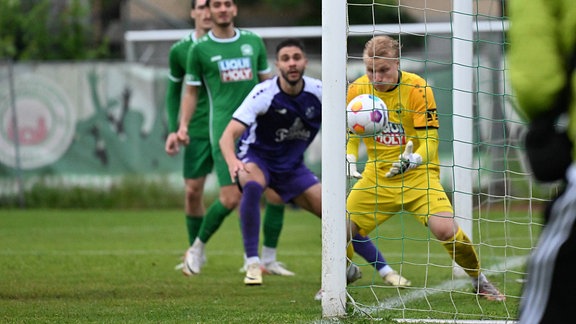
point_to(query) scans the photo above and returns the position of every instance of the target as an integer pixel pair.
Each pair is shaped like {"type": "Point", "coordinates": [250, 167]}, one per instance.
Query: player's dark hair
{"type": "Point", "coordinates": [193, 4]}
{"type": "Point", "coordinates": [290, 42]}
{"type": "Point", "coordinates": [208, 2]}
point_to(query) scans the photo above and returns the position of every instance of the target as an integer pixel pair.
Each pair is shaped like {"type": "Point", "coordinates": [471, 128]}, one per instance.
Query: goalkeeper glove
{"type": "Point", "coordinates": [351, 170]}
{"type": "Point", "coordinates": [406, 161]}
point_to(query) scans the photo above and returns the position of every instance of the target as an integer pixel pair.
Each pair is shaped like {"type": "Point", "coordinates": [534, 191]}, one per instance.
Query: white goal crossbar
{"type": "Point", "coordinates": [132, 37]}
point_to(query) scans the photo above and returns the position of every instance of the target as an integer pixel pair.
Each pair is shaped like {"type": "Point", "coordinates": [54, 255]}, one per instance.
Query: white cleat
{"type": "Point", "coordinates": [319, 295]}
{"type": "Point", "coordinates": [396, 280]}
{"type": "Point", "coordinates": [180, 265]}
{"type": "Point", "coordinates": [193, 260]}
{"type": "Point", "coordinates": [276, 268]}
{"type": "Point", "coordinates": [253, 275]}
{"type": "Point", "coordinates": [353, 273]}
{"type": "Point", "coordinates": [486, 289]}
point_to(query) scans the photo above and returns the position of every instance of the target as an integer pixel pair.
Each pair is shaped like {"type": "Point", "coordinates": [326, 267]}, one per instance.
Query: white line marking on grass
{"type": "Point", "coordinates": [455, 321]}
{"type": "Point", "coordinates": [91, 252]}
{"type": "Point", "coordinates": [420, 294]}
{"type": "Point", "coordinates": [226, 253]}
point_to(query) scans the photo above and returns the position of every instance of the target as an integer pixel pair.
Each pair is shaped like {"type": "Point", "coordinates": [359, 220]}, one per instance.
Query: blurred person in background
{"type": "Point", "coordinates": [198, 161]}
{"type": "Point", "coordinates": [228, 63]}
{"type": "Point", "coordinates": [542, 58]}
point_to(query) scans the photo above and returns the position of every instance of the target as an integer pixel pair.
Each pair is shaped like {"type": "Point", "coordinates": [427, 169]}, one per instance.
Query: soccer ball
{"type": "Point", "coordinates": [367, 115]}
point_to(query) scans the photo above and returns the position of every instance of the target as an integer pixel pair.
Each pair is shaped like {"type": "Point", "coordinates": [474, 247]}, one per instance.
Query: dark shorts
{"type": "Point", "coordinates": [289, 184]}
{"type": "Point", "coordinates": [198, 161]}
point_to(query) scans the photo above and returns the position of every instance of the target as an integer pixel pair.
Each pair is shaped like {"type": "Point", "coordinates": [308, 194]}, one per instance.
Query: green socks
{"type": "Point", "coordinates": [214, 217]}
{"type": "Point", "coordinates": [193, 224]}
{"type": "Point", "coordinates": [273, 221]}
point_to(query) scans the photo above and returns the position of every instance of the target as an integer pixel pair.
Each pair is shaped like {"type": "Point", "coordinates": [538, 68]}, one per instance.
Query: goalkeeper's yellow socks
{"type": "Point", "coordinates": [462, 251]}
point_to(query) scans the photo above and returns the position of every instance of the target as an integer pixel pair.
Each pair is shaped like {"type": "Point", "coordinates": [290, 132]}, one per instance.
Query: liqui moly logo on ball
{"type": "Point", "coordinates": [234, 70]}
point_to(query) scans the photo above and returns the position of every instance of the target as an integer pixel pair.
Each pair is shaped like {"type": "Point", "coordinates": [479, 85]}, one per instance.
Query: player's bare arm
{"type": "Point", "coordinates": [187, 109]}
{"type": "Point", "coordinates": [172, 147]}
{"type": "Point", "coordinates": [227, 146]}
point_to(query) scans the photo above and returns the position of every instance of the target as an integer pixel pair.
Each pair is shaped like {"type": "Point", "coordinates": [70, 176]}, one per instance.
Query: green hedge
{"type": "Point", "coordinates": [130, 192]}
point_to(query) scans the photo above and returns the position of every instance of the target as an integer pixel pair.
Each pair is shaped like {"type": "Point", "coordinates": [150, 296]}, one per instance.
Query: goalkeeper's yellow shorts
{"type": "Point", "coordinates": [370, 203]}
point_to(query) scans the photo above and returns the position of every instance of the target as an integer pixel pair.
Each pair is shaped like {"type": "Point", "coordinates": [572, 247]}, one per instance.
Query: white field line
{"type": "Point", "coordinates": [209, 252]}
{"type": "Point", "coordinates": [415, 295]}
{"type": "Point", "coordinates": [127, 252]}
{"type": "Point", "coordinates": [455, 321]}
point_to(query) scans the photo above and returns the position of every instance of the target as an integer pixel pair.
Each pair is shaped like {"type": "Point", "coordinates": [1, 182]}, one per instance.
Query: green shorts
{"type": "Point", "coordinates": [221, 168]}
{"type": "Point", "coordinates": [198, 160]}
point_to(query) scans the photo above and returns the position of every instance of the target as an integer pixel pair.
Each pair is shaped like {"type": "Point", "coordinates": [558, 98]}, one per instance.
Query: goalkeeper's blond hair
{"type": "Point", "coordinates": [382, 47]}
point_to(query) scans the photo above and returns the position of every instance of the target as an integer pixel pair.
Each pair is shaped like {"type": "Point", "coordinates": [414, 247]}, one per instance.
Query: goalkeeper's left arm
{"type": "Point", "coordinates": [352, 146]}
{"type": "Point", "coordinates": [426, 151]}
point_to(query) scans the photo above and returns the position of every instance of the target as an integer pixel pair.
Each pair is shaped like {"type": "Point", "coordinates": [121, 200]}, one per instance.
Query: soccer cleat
{"type": "Point", "coordinates": [396, 280]}
{"type": "Point", "coordinates": [180, 265]}
{"type": "Point", "coordinates": [353, 273]}
{"type": "Point", "coordinates": [193, 260]}
{"type": "Point", "coordinates": [319, 295]}
{"type": "Point", "coordinates": [253, 275]}
{"type": "Point", "coordinates": [486, 289]}
{"type": "Point", "coordinates": [276, 268]}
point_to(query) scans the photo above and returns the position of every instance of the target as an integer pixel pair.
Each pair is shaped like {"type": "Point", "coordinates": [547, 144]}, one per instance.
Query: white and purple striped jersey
{"type": "Point", "coordinates": [280, 126]}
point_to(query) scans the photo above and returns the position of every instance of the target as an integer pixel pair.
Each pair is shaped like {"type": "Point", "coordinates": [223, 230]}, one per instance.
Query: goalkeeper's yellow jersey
{"type": "Point", "coordinates": [411, 116]}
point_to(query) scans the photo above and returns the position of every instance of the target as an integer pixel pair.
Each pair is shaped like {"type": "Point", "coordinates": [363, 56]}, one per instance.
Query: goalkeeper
{"type": "Point", "coordinates": [402, 172]}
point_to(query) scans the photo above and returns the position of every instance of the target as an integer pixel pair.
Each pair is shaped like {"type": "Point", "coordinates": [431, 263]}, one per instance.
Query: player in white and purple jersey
{"type": "Point", "coordinates": [277, 121]}
{"type": "Point", "coordinates": [281, 126]}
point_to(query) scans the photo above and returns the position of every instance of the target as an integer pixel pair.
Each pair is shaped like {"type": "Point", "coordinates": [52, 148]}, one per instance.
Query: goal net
{"type": "Point", "coordinates": [483, 170]}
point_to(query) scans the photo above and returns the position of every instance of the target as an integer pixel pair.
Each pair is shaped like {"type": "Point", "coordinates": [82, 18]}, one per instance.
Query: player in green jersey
{"type": "Point", "coordinates": [197, 154]}
{"type": "Point", "coordinates": [228, 62]}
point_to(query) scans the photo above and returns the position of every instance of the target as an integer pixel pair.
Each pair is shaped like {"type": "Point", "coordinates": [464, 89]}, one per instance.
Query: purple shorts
{"type": "Point", "coordinates": [288, 184]}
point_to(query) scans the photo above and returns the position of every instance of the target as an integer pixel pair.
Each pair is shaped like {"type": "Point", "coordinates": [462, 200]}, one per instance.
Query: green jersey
{"type": "Point", "coordinates": [198, 126]}
{"type": "Point", "coordinates": [229, 69]}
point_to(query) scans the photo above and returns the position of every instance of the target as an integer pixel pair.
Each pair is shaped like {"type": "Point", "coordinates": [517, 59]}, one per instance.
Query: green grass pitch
{"type": "Point", "coordinates": [103, 266]}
